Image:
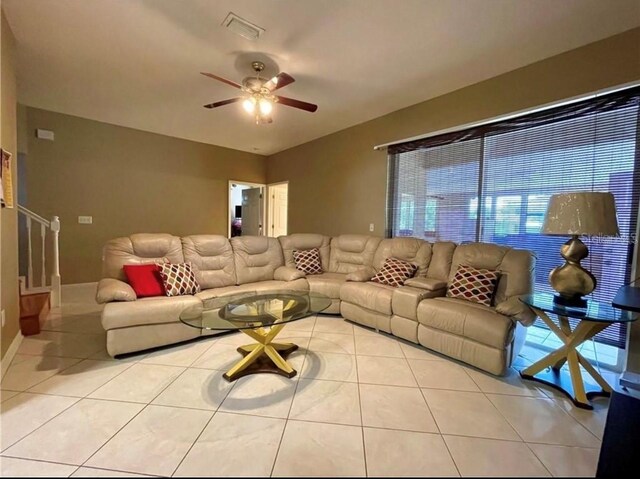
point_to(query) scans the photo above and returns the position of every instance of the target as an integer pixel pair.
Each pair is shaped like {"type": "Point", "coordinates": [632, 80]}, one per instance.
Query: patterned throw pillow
{"type": "Point", "coordinates": [395, 272]}
{"type": "Point", "coordinates": [178, 279]}
{"type": "Point", "coordinates": [477, 285]}
{"type": "Point", "coordinates": [308, 260]}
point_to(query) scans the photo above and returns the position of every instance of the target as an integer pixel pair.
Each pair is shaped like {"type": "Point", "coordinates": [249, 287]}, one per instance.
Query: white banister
{"type": "Point", "coordinates": [30, 255]}
{"type": "Point", "coordinates": [56, 296]}
{"type": "Point", "coordinates": [54, 226]}
{"type": "Point", "coordinates": [43, 259]}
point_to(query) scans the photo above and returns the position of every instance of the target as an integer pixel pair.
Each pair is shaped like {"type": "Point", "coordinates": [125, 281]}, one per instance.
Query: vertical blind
{"type": "Point", "coordinates": [492, 183]}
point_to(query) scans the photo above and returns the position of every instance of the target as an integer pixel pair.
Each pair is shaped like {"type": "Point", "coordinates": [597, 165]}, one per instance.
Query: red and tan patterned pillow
{"type": "Point", "coordinates": [178, 279]}
{"type": "Point", "coordinates": [308, 260]}
{"type": "Point", "coordinates": [395, 272]}
{"type": "Point", "coordinates": [476, 285]}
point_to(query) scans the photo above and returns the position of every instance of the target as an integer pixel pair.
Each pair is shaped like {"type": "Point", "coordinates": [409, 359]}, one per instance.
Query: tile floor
{"type": "Point", "coordinates": [362, 404]}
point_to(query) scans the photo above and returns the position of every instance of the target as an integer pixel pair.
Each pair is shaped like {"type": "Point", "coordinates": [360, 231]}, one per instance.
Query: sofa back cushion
{"type": "Point", "coordinates": [516, 267]}
{"type": "Point", "coordinates": [352, 252]}
{"type": "Point", "coordinates": [441, 260]}
{"type": "Point", "coordinates": [256, 258]}
{"type": "Point", "coordinates": [412, 250]}
{"type": "Point", "coordinates": [305, 241]}
{"type": "Point", "coordinates": [142, 248]}
{"type": "Point", "coordinates": [212, 260]}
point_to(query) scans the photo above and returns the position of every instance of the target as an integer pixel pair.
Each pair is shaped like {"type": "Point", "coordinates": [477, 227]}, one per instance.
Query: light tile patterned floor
{"type": "Point", "coordinates": [363, 404]}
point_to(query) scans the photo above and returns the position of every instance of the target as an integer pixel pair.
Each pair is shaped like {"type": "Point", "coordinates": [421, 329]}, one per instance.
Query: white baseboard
{"type": "Point", "coordinates": [11, 352]}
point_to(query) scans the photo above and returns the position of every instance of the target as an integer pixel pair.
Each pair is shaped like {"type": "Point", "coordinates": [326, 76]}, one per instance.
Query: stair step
{"type": "Point", "coordinates": [34, 308]}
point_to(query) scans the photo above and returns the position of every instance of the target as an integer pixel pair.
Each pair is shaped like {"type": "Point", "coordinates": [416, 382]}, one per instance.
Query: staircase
{"type": "Point", "coordinates": [37, 295]}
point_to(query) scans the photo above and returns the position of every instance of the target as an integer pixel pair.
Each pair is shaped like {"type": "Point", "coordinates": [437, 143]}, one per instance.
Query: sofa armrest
{"type": "Point", "coordinates": [361, 275]}
{"type": "Point", "coordinates": [429, 284]}
{"type": "Point", "coordinates": [516, 309]}
{"type": "Point", "coordinates": [287, 273]}
{"type": "Point", "coordinates": [110, 289]}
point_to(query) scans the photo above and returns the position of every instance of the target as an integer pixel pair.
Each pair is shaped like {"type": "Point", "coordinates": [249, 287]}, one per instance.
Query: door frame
{"type": "Point", "coordinates": [253, 185]}
{"type": "Point", "coordinates": [268, 205]}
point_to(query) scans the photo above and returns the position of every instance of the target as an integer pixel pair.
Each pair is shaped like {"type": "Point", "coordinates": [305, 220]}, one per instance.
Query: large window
{"type": "Point", "coordinates": [493, 183]}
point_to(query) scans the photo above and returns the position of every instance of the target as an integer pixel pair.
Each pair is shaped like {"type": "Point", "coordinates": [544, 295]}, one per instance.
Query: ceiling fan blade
{"type": "Point", "coordinates": [223, 102]}
{"type": "Point", "coordinates": [302, 105]}
{"type": "Point", "coordinates": [223, 80]}
{"type": "Point", "coordinates": [278, 81]}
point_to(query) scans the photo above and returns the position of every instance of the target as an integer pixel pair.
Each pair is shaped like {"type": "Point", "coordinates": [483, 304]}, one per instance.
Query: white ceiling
{"type": "Point", "coordinates": [135, 62]}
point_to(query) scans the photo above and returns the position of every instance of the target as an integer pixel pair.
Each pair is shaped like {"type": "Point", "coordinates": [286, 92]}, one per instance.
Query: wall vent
{"type": "Point", "coordinates": [242, 27]}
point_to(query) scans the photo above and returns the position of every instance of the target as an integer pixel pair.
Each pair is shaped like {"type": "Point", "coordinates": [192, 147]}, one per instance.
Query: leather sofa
{"type": "Point", "coordinates": [486, 337]}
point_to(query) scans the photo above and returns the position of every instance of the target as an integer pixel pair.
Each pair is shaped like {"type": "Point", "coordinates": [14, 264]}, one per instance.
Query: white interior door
{"type": "Point", "coordinates": [278, 206]}
{"type": "Point", "coordinates": [252, 211]}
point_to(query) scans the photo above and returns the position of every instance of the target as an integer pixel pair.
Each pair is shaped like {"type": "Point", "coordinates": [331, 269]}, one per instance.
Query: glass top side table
{"type": "Point", "coordinates": [594, 318]}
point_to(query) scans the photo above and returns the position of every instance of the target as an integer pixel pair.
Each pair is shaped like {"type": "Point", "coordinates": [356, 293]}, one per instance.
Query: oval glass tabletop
{"type": "Point", "coordinates": [594, 311]}
{"type": "Point", "coordinates": [251, 310]}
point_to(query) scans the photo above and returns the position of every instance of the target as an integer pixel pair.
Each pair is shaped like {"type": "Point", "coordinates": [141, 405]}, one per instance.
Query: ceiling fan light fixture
{"type": "Point", "coordinates": [249, 105]}
{"type": "Point", "coordinates": [265, 106]}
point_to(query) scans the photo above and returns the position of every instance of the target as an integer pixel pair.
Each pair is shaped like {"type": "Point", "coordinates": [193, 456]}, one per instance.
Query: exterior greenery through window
{"type": "Point", "coordinates": [492, 183]}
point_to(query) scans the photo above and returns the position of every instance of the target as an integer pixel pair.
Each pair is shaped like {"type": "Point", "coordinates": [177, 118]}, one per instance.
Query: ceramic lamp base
{"type": "Point", "coordinates": [571, 280]}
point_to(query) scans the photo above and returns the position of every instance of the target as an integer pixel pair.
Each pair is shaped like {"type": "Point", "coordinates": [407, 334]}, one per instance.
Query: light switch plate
{"type": "Point", "coordinates": [4, 319]}
{"type": "Point", "coordinates": [85, 220]}
{"type": "Point", "coordinates": [371, 228]}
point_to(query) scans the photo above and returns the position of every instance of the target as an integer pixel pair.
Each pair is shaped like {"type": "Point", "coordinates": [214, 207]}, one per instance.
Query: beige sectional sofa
{"type": "Point", "coordinates": [486, 337]}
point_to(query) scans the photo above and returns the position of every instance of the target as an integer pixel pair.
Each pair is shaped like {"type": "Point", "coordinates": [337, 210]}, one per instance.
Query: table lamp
{"type": "Point", "coordinates": [577, 214]}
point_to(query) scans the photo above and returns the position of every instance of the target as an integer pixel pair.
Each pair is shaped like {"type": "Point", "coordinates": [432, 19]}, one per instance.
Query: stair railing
{"type": "Point", "coordinates": [53, 226]}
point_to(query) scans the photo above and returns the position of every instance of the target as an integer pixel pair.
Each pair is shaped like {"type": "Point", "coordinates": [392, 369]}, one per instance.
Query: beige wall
{"type": "Point", "coordinates": [9, 300]}
{"type": "Point", "coordinates": [130, 181]}
{"type": "Point", "coordinates": [337, 184]}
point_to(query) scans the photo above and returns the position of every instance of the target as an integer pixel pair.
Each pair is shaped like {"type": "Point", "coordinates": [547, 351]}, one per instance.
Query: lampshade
{"type": "Point", "coordinates": [581, 214]}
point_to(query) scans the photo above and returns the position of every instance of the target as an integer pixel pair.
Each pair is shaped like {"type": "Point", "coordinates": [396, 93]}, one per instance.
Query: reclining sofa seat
{"type": "Point", "coordinates": [221, 268]}
{"type": "Point", "coordinates": [370, 303]}
{"type": "Point", "coordinates": [343, 258]}
{"type": "Point", "coordinates": [135, 324]}
{"type": "Point", "coordinates": [488, 337]}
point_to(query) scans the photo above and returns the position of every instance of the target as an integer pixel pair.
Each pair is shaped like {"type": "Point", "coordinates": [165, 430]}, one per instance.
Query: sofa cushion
{"type": "Point", "coordinates": [464, 318]}
{"type": "Point", "coordinates": [296, 285]}
{"type": "Point", "coordinates": [304, 241]}
{"type": "Point", "coordinates": [412, 250]}
{"type": "Point", "coordinates": [516, 267]}
{"type": "Point", "coordinates": [442, 253]}
{"type": "Point", "coordinates": [372, 296]}
{"type": "Point", "coordinates": [179, 279]}
{"type": "Point", "coordinates": [308, 260]}
{"type": "Point", "coordinates": [158, 310]}
{"type": "Point", "coordinates": [143, 248]}
{"type": "Point", "coordinates": [212, 260]}
{"type": "Point", "coordinates": [395, 272]}
{"type": "Point", "coordinates": [145, 279]}
{"type": "Point", "coordinates": [351, 252]}
{"type": "Point", "coordinates": [327, 283]}
{"type": "Point", "coordinates": [256, 258]}
{"type": "Point", "coordinates": [475, 285]}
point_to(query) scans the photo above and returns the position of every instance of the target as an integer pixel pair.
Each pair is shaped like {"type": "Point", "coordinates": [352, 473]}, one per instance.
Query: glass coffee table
{"type": "Point", "coordinates": [261, 316]}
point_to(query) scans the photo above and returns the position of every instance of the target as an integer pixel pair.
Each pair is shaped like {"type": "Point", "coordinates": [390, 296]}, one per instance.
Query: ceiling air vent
{"type": "Point", "coordinates": [241, 27]}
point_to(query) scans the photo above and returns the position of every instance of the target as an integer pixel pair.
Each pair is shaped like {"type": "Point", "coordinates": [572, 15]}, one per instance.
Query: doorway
{"type": "Point", "coordinates": [277, 209]}
{"type": "Point", "coordinates": [246, 208]}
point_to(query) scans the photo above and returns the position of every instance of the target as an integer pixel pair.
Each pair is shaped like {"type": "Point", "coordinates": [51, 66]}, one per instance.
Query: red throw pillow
{"type": "Point", "coordinates": [145, 279]}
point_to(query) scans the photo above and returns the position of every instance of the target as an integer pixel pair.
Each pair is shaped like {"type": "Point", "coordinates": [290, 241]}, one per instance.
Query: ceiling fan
{"type": "Point", "coordinates": [258, 98]}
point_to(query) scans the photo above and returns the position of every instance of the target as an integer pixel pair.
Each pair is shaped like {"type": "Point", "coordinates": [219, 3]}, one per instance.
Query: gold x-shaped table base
{"type": "Point", "coordinates": [547, 369]}
{"type": "Point", "coordinates": [265, 356]}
